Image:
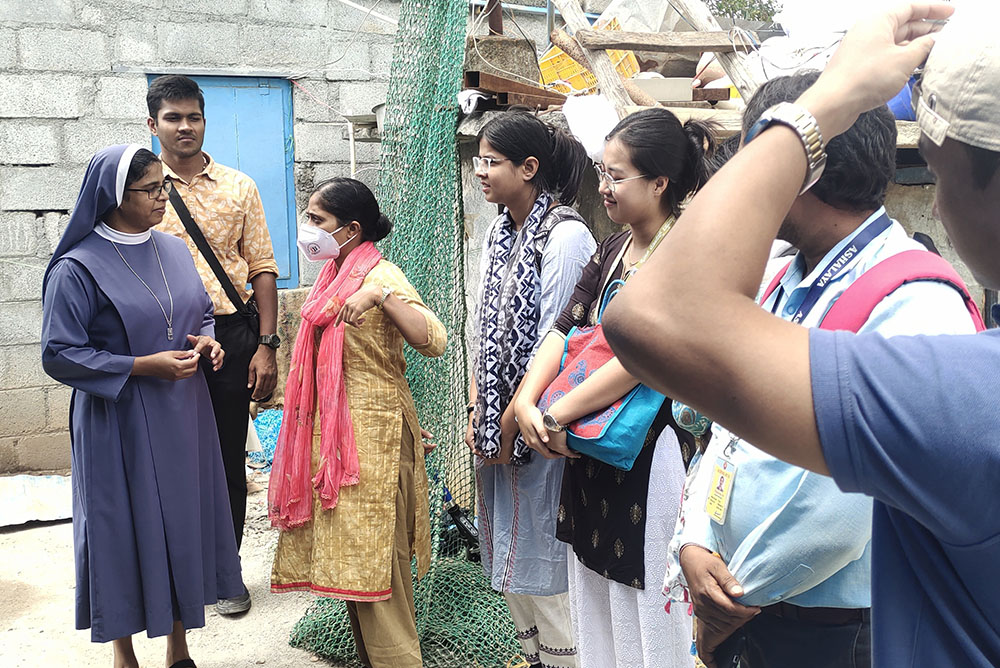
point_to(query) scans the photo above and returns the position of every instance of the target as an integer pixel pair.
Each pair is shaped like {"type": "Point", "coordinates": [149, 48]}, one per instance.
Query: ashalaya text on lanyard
{"type": "Point", "coordinates": [836, 267]}
{"type": "Point", "coordinates": [724, 471]}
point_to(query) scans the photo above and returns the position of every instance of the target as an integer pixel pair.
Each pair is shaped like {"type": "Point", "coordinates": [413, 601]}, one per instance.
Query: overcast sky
{"type": "Point", "coordinates": [825, 17]}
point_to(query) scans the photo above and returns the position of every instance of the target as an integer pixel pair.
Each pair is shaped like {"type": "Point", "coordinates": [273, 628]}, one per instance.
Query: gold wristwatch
{"type": "Point", "coordinates": [385, 295]}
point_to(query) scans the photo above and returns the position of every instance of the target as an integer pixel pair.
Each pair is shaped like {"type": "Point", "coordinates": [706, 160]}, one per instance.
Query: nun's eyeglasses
{"type": "Point", "coordinates": [154, 192]}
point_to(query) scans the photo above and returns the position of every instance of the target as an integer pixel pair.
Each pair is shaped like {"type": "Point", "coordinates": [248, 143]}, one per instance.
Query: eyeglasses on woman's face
{"type": "Point", "coordinates": [483, 164]}
{"type": "Point", "coordinates": [611, 181]}
{"type": "Point", "coordinates": [154, 192]}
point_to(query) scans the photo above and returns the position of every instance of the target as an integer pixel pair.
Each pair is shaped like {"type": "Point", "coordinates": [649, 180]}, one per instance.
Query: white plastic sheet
{"type": "Point", "coordinates": [26, 498]}
{"type": "Point", "coordinates": [590, 119]}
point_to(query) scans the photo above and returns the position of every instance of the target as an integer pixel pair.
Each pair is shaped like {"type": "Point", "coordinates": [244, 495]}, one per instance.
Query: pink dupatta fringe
{"type": "Point", "coordinates": [290, 489]}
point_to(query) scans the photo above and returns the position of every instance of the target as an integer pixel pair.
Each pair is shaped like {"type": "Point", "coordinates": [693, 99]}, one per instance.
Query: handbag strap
{"type": "Point", "coordinates": [612, 287]}
{"type": "Point", "coordinates": [610, 291]}
{"type": "Point", "coordinates": [206, 251]}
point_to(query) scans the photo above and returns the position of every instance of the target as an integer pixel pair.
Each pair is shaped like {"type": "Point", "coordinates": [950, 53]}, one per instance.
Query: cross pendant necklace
{"type": "Point", "coordinates": [170, 318]}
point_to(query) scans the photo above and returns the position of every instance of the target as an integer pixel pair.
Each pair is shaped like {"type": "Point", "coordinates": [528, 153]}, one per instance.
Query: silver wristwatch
{"type": "Point", "coordinates": [551, 424]}
{"type": "Point", "coordinates": [799, 119]}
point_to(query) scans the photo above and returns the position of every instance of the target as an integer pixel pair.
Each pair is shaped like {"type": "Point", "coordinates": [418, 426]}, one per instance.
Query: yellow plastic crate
{"type": "Point", "coordinates": [571, 78]}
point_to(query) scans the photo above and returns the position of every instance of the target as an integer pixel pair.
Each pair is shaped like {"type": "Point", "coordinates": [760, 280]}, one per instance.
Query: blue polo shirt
{"type": "Point", "coordinates": [914, 421]}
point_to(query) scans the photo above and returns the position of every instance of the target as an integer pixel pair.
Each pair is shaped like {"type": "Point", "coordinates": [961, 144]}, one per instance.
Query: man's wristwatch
{"type": "Point", "coordinates": [385, 295]}
{"type": "Point", "coordinates": [804, 124]}
{"type": "Point", "coordinates": [270, 340]}
{"type": "Point", "coordinates": [551, 424]}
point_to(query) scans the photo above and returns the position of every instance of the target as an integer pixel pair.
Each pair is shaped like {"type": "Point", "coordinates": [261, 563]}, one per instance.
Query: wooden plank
{"type": "Point", "coordinates": [697, 14]}
{"type": "Point", "coordinates": [498, 84]}
{"type": "Point", "coordinates": [533, 101]}
{"type": "Point", "coordinates": [660, 42]}
{"type": "Point", "coordinates": [600, 63]}
{"type": "Point", "coordinates": [569, 45]}
{"type": "Point", "coordinates": [562, 39]}
{"type": "Point", "coordinates": [638, 95]}
{"type": "Point", "coordinates": [709, 94]}
{"type": "Point", "coordinates": [729, 121]}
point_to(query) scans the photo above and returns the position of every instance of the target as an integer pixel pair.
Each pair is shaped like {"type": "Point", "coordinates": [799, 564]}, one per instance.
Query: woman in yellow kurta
{"type": "Point", "coordinates": [348, 487]}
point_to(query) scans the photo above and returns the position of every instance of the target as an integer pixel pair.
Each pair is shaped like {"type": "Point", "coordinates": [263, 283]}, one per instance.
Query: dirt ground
{"type": "Point", "coordinates": [36, 607]}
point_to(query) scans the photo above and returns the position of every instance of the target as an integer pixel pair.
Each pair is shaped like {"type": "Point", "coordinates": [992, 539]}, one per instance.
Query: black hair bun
{"type": "Point", "coordinates": [381, 228]}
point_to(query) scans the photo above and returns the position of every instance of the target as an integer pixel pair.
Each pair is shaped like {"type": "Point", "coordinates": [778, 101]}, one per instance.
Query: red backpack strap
{"type": "Point", "coordinates": [773, 285]}
{"type": "Point", "coordinates": [853, 308]}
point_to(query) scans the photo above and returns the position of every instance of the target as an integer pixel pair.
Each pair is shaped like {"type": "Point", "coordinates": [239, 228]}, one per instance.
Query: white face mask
{"type": "Point", "coordinates": [317, 244]}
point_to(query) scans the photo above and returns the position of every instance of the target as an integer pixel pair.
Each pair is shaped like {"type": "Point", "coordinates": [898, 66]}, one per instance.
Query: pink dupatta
{"type": "Point", "coordinates": [290, 490]}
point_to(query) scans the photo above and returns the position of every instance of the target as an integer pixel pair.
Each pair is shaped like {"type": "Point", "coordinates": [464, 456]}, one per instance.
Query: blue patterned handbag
{"type": "Point", "coordinates": [616, 434]}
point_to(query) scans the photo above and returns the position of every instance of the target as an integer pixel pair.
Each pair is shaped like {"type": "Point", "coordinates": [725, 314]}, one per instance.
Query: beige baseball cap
{"type": "Point", "coordinates": [960, 88]}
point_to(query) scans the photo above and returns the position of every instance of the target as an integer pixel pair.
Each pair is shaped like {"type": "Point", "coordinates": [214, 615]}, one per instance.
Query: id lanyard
{"type": "Point", "coordinates": [611, 287]}
{"type": "Point", "coordinates": [657, 238]}
{"type": "Point", "coordinates": [836, 267]}
{"type": "Point", "coordinates": [721, 483]}
{"type": "Point", "coordinates": [724, 471]}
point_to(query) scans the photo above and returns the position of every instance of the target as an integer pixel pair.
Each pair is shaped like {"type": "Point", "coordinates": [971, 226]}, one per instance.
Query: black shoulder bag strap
{"type": "Point", "coordinates": [206, 251]}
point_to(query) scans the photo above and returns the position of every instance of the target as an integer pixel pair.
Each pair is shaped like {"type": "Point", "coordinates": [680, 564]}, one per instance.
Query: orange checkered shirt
{"type": "Point", "coordinates": [226, 205]}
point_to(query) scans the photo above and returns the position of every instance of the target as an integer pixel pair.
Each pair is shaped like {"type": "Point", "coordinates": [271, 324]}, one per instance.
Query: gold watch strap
{"type": "Point", "coordinates": [804, 123]}
{"type": "Point", "coordinates": [385, 295]}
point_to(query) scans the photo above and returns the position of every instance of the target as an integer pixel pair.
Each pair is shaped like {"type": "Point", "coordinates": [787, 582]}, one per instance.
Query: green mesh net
{"type": "Point", "coordinates": [460, 620]}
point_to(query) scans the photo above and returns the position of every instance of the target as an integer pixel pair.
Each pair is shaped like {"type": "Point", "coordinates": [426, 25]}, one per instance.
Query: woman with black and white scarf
{"type": "Point", "coordinates": [533, 255]}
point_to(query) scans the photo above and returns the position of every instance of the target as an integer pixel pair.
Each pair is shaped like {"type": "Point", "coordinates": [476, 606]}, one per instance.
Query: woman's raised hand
{"type": "Point", "coordinates": [357, 304]}
{"type": "Point", "coordinates": [206, 344]}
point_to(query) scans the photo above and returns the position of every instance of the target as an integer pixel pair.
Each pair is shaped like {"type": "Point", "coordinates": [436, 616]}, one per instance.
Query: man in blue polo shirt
{"type": "Point", "coordinates": [911, 421]}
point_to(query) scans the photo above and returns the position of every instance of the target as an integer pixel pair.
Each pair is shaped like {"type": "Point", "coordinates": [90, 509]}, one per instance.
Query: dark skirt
{"type": "Point", "coordinates": [602, 509]}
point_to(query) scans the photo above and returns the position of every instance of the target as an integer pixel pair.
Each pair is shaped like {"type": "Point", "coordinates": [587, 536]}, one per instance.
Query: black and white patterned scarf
{"type": "Point", "coordinates": [508, 325]}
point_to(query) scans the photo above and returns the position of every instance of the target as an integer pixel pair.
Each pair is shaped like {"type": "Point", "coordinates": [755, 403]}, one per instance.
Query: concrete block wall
{"type": "Point", "coordinates": [73, 80]}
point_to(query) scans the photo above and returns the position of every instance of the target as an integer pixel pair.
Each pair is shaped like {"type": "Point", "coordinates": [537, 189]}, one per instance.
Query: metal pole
{"type": "Point", "coordinates": [353, 149]}
{"type": "Point", "coordinates": [494, 9]}
{"type": "Point", "coordinates": [550, 18]}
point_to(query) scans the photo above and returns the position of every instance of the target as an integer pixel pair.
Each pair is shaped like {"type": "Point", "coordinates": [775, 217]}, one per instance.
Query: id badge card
{"type": "Point", "coordinates": [719, 494]}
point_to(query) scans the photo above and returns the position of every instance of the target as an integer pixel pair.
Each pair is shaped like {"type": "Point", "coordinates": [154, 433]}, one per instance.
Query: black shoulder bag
{"type": "Point", "coordinates": [249, 309]}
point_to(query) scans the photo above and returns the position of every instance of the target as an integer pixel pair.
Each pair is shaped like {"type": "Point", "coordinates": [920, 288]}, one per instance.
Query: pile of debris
{"type": "Point", "coordinates": [625, 66]}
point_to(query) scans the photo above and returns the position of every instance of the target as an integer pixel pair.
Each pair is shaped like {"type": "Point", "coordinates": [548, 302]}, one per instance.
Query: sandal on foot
{"type": "Point", "coordinates": [184, 663]}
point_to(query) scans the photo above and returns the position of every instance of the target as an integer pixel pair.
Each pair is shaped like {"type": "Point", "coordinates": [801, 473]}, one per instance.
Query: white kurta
{"type": "Point", "coordinates": [622, 627]}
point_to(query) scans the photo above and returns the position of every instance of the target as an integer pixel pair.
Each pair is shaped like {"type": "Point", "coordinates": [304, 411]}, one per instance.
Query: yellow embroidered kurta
{"type": "Point", "coordinates": [347, 552]}
{"type": "Point", "coordinates": [227, 207]}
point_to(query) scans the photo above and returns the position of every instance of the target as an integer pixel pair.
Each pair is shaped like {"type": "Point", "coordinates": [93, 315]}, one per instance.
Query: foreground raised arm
{"type": "Point", "coordinates": [698, 335]}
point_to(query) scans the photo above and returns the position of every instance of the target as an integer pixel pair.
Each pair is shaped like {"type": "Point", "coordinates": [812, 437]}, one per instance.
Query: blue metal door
{"type": "Point", "coordinates": [249, 127]}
